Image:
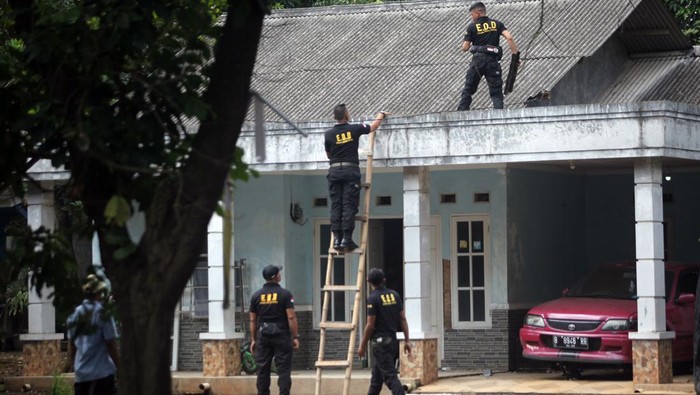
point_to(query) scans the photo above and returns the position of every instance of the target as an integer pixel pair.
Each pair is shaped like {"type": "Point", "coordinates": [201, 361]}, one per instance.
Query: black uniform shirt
{"type": "Point", "coordinates": [484, 31]}
{"type": "Point", "coordinates": [385, 304]}
{"type": "Point", "coordinates": [270, 303]}
{"type": "Point", "coordinates": [342, 141]}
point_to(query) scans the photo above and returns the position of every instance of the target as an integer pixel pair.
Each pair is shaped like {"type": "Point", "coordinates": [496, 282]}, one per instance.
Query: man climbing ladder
{"type": "Point", "coordinates": [344, 178]}
{"type": "Point", "coordinates": [344, 183]}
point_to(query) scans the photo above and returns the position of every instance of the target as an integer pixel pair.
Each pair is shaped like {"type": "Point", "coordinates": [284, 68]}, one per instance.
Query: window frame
{"type": "Point", "coordinates": [188, 299]}
{"type": "Point", "coordinates": [454, 291]}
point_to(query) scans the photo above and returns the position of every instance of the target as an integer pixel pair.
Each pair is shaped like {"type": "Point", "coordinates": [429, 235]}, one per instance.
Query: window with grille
{"type": "Point", "coordinates": [470, 272]}
{"type": "Point", "coordinates": [195, 297]}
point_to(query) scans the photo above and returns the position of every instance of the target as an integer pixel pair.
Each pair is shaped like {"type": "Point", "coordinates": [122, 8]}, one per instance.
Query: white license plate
{"type": "Point", "coordinates": [575, 342]}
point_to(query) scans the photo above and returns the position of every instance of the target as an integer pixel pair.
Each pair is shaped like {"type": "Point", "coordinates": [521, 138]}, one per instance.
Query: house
{"type": "Point", "coordinates": [475, 216]}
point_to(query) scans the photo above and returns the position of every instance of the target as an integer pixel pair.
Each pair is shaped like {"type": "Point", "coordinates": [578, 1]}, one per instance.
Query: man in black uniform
{"type": "Point", "coordinates": [274, 331]}
{"type": "Point", "coordinates": [385, 315]}
{"type": "Point", "coordinates": [482, 40]}
{"type": "Point", "coordinates": [344, 176]}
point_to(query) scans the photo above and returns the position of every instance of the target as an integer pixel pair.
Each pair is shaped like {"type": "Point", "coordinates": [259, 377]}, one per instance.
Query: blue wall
{"type": "Point", "coordinates": [464, 184]}
{"type": "Point", "coordinates": [610, 219]}
{"type": "Point", "coordinates": [546, 228]}
{"type": "Point", "coordinates": [260, 213]}
{"type": "Point", "coordinates": [560, 226]}
{"type": "Point", "coordinates": [684, 209]}
{"type": "Point", "coordinates": [546, 234]}
{"type": "Point", "coordinates": [265, 233]}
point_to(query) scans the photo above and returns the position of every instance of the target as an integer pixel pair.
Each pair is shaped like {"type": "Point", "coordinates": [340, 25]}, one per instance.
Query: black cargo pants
{"type": "Point", "coordinates": [344, 191]}
{"type": "Point", "coordinates": [104, 386]}
{"type": "Point", "coordinates": [384, 369]}
{"type": "Point", "coordinates": [486, 65]}
{"type": "Point", "coordinates": [279, 347]}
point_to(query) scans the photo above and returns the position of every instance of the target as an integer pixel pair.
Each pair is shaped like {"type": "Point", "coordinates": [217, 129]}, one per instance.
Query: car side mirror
{"type": "Point", "coordinates": [565, 292]}
{"type": "Point", "coordinates": [686, 299]}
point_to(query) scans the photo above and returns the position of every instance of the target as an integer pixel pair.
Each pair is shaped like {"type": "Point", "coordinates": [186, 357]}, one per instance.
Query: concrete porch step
{"type": "Point", "coordinates": [304, 382]}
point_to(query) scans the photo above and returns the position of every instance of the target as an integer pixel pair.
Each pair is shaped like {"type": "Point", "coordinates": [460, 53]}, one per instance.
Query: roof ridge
{"type": "Point", "coordinates": [411, 5]}
{"type": "Point", "coordinates": [277, 70]}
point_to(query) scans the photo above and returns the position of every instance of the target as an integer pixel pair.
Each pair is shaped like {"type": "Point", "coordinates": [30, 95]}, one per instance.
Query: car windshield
{"type": "Point", "coordinates": [607, 282]}
{"type": "Point", "coordinates": [612, 282]}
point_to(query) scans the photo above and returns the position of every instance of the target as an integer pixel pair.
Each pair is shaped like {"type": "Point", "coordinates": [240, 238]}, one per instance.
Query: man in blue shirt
{"type": "Point", "coordinates": [92, 349]}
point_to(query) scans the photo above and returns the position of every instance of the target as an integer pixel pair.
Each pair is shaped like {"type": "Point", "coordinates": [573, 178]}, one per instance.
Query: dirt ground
{"type": "Point", "coordinates": [11, 364]}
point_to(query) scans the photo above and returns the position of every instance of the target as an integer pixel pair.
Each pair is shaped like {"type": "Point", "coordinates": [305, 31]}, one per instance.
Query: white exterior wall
{"type": "Point", "coordinates": [42, 314]}
{"type": "Point", "coordinates": [651, 305]}
{"type": "Point", "coordinates": [565, 133]}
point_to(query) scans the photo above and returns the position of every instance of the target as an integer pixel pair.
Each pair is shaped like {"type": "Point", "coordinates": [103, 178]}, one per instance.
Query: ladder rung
{"type": "Point", "coordinates": [330, 288]}
{"type": "Point", "coordinates": [332, 364]}
{"type": "Point", "coordinates": [366, 185]}
{"type": "Point", "coordinates": [361, 217]}
{"type": "Point", "coordinates": [337, 325]}
{"type": "Point", "coordinates": [341, 252]}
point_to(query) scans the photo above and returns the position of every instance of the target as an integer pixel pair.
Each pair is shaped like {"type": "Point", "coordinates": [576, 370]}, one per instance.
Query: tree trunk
{"type": "Point", "coordinates": [148, 284]}
{"type": "Point", "coordinates": [146, 323]}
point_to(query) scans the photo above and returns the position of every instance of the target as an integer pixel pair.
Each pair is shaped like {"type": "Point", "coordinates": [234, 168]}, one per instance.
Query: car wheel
{"type": "Point", "coordinates": [570, 371]}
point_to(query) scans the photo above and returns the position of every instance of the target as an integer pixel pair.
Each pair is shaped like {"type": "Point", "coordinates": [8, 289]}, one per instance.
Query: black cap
{"type": "Point", "coordinates": [375, 276]}
{"type": "Point", "coordinates": [271, 271]}
{"type": "Point", "coordinates": [476, 5]}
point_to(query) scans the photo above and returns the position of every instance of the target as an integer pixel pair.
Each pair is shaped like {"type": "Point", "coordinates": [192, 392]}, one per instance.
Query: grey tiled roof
{"type": "Point", "coordinates": [672, 78]}
{"type": "Point", "coordinates": [407, 58]}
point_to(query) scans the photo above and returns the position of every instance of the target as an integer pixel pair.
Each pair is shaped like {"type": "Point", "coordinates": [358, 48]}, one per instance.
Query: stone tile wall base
{"type": "Point", "coordinates": [42, 358]}
{"type": "Point", "coordinates": [423, 366]}
{"type": "Point", "coordinates": [221, 358]}
{"type": "Point", "coordinates": [651, 362]}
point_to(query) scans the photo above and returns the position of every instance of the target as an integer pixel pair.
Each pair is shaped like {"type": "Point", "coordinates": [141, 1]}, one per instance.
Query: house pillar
{"type": "Point", "coordinates": [41, 345]}
{"type": "Point", "coordinates": [417, 277]}
{"type": "Point", "coordinates": [651, 344]}
{"type": "Point", "coordinates": [220, 346]}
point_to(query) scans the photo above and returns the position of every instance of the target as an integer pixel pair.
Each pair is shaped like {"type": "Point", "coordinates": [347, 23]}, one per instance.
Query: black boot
{"type": "Point", "coordinates": [336, 240]}
{"type": "Point", "coordinates": [347, 242]}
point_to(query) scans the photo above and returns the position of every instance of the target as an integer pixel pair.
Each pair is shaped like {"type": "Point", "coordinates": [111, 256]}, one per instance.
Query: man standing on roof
{"type": "Point", "coordinates": [385, 315]}
{"type": "Point", "coordinates": [274, 331]}
{"type": "Point", "coordinates": [344, 178]}
{"type": "Point", "coordinates": [482, 40]}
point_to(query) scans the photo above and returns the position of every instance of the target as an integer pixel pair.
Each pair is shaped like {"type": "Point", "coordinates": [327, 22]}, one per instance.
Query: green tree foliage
{"type": "Point", "coordinates": [279, 4]}
{"type": "Point", "coordinates": [143, 103]}
{"type": "Point", "coordinates": [81, 80]}
{"type": "Point", "coordinates": [687, 13]}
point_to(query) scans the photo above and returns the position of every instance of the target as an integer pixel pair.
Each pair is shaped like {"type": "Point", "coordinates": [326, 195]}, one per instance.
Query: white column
{"type": "Point", "coordinates": [222, 323]}
{"type": "Point", "coordinates": [42, 314]}
{"type": "Point", "coordinates": [417, 268]}
{"type": "Point", "coordinates": [648, 213]}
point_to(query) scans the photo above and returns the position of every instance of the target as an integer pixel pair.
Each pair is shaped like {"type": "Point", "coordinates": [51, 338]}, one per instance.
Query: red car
{"type": "Point", "coordinates": [591, 322]}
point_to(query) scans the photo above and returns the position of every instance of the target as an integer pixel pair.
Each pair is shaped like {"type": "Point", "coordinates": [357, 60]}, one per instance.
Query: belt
{"type": "Point", "coordinates": [344, 164]}
{"type": "Point", "coordinates": [382, 340]}
{"type": "Point", "coordinates": [490, 49]}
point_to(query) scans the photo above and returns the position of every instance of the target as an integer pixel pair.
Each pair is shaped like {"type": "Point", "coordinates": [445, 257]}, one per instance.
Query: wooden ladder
{"type": "Point", "coordinates": [329, 288]}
